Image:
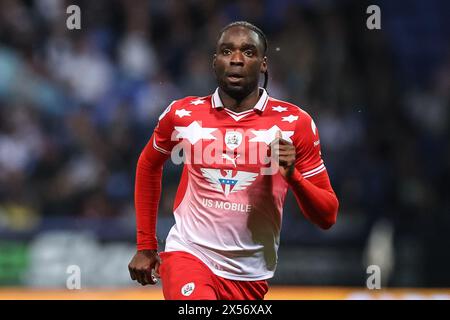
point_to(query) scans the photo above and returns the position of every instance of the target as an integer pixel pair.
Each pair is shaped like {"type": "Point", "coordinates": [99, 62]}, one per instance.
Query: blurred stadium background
{"type": "Point", "coordinates": [77, 107]}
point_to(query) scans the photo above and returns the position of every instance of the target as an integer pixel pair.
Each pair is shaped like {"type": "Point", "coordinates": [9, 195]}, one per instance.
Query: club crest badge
{"type": "Point", "coordinates": [187, 289]}
{"type": "Point", "coordinates": [233, 139]}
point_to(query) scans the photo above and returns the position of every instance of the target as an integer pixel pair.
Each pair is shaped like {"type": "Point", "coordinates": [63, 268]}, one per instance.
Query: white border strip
{"type": "Point", "coordinates": [159, 148]}
{"type": "Point", "coordinates": [314, 171]}
{"type": "Point", "coordinates": [239, 113]}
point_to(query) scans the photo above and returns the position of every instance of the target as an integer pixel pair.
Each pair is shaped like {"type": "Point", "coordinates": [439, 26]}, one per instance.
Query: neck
{"type": "Point", "coordinates": [245, 104]}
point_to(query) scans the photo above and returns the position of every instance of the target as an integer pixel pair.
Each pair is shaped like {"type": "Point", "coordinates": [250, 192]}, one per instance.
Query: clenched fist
{"type": "Point", "coordinates": [142, 266]}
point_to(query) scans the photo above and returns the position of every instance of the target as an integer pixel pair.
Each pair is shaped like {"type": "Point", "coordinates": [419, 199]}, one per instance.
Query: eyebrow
{"type": "Point", "coordinates": [244, 45]}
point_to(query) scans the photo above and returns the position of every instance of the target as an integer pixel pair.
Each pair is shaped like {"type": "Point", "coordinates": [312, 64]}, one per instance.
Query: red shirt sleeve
{"type": "Point", "coordinates": [148, 179]}
{"type": "Point", "coordinates": [309, 181]}
{"type": "Point", "coordinates": [316, 198]}
{"type": "Point", "coordinates": [147, 194]}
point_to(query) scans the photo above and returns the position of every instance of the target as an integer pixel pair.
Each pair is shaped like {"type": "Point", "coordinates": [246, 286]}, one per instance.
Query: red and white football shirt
{"type": "Point", "coordinates": [229, 203]}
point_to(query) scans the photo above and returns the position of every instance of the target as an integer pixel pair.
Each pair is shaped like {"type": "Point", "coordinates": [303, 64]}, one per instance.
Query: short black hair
{"type": "Point", "coordinates": [260, 34]}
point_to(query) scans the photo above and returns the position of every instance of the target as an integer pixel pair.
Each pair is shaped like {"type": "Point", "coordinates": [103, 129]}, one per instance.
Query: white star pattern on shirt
{"type": "Point", "coordinates": [279, 108]}
{"type": "Point", "coordinates": [268, 136]}
{"type": "Point", "coordinates": [197, 102]}
{"type": "Point", "coordinates": [195, 132]}
{"type": "Point", "coordinates": [182, 112]}
{"type": "Point", "coordinates": [290, 119]}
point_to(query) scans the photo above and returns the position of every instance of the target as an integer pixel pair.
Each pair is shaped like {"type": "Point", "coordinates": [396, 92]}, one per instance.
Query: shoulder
{"type": "Point", "coordinates": [185, 104]}
{"type": "Point", "coordinates": [284, 108]}
{"type": "Point", "coordinates": [191, 102]}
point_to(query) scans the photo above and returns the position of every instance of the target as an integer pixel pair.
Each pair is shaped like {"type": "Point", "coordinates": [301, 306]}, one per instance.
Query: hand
{"type": "Point", "coordinates": [285, 152]}
{"type": "Point", "coordinates": [142, 264]}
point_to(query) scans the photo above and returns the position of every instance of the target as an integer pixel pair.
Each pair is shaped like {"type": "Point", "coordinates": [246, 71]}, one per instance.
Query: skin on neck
{"type": "Point", "coordinates": [239, 105]}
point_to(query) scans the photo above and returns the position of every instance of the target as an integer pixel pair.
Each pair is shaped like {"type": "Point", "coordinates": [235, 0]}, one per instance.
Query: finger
{"type": "Point", "coordinates": [149, 277]}
{"type": "Point", "coordinates": [141, 278]}
{"type": "Point", "coordinates": [286, 153]}
{"type": "Point", "coordinates": [138, 276]}
{"type": "Point", "coordinates": [283, 163]}
{"type": "Point", "coordinates": [285, 142]}
{"type": "Point", "coordinates": [157, 265]}
{"type": "Point", "coordinates": [132, 273]}
{"type": "Point", "coordinates": [287, 156]}
{"type": "Point", "coordinates": [286, 161]}
{"type": "Point", "coordinates": [276, 141]}
{"type": "Point", "coordinates": [148, 273]}
{"type": "Point", "coordinates": [287, 146]}
{"type": "Point", "coordinates": [153, 279]}
{"type": "Point", "coordinates": [274, 144]}
{"type": "Point", "coordinates": [279, 137]}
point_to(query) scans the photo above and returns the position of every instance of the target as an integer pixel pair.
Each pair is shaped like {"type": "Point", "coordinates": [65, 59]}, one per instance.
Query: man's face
{"type": "Point", "coordinates": [239, 61]}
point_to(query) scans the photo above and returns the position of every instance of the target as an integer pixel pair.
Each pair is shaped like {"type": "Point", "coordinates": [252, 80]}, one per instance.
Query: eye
{"type": "Point", "coordinates": [226, 52]}
{"type": "Point", "coordinates": [249, 53]}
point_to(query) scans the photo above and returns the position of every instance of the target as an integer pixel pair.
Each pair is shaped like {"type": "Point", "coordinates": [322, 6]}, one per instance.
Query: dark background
{"type": "Point", "coordinates": [78, 106]}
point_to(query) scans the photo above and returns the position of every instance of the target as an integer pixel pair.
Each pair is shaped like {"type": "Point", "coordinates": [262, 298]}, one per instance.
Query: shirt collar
{"type": "Point", "coordinates": [216, 102]}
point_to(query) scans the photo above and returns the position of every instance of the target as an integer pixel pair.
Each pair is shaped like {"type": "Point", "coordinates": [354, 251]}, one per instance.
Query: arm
{"type": "Point", "coordinates": [146, 199]}
{"type": "Point", "coordinates": [147, 195]}
{"type": "Point", "coordinates": [315, 197]}
{"type": "Point", "coordinates": [302, 167]}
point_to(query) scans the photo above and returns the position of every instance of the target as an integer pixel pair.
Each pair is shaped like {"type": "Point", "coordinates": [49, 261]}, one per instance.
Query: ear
{"type": "Point", "coordinates": [214, 61]}
{"type": "Point", "coordinates": [264, 65]}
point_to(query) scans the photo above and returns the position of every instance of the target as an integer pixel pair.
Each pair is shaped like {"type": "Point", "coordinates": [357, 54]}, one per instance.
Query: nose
{"type": "Point", "coordinates": [237, 58]}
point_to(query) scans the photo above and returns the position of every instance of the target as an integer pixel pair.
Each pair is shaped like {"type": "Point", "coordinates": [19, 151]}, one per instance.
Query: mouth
{"type": "Point", "coordinates": [234, 77]}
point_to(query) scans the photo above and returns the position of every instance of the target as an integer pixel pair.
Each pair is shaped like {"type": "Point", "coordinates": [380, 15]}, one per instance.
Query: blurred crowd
{"type": "Point", "coordinates": [78, 106]}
